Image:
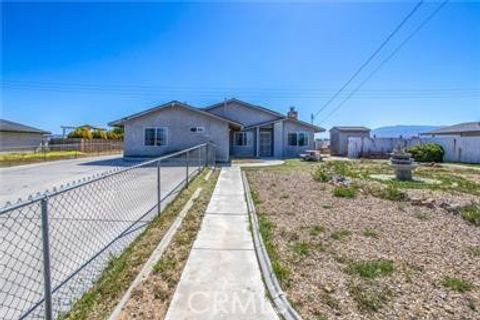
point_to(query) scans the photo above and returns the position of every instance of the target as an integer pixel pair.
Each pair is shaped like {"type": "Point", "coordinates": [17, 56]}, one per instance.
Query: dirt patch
{"type": "Point", "coordinates": [321, 238]}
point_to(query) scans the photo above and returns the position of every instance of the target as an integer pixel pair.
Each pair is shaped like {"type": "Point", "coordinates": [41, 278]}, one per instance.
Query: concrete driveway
{"type": "Point", "coordinates": [21, 181]}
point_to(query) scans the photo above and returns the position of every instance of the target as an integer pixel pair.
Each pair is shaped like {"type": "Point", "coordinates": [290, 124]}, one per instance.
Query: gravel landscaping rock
{"type": "Point", "coordinates": [423, 236]}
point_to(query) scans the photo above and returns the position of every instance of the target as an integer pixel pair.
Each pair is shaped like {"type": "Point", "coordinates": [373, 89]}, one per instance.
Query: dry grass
{"type": "Point", "coordinates": [369, 257]}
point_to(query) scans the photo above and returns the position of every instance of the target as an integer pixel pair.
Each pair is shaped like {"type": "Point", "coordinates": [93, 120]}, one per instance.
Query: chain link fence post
{"type": "Point", "coordinates": [187, 159]}
{"type": "Point", "coordinates": [47, 285]}
{"type": "Point", "coordinates": [159, 186]}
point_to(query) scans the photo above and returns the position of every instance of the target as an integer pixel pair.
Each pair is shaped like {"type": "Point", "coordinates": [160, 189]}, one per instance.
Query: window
{"type": "Point", "coordinates": [241, 138]}
{"type": "Point", "coordinates": [155, 136]}
{"type": "Point", "coordinates": [197, 129]}
{"type": "Point", "coordinates": [298, 139]}
{"type": "Point", "coordinates": [303, 139]}
{"type": "Point", "coordinates": [292, 139]}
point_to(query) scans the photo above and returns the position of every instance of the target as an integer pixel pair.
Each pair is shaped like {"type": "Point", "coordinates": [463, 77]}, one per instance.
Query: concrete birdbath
{"type": "Point", "coordinates": [403, 164]}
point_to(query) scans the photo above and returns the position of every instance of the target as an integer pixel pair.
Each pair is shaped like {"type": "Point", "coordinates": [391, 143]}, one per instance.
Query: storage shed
{"type": "Point", "coordinates": [339, 138]}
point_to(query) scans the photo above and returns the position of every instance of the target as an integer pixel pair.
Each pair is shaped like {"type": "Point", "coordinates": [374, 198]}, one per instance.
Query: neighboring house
{"type": "Point", "coordinates": [237, 129]}
{"type": "Point", "coordinates": [16, 136]}
{"type": "Point", "coordinates": [339, 138]}
{"type": "Point", "coordinates": [467, 129]}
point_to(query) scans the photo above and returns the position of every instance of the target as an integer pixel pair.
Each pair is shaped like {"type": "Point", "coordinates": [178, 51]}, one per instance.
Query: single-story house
{"type": "Point", "coordinates": [16, 136]}
{"type": "Point", "coordinates": [467, 129]}
{"type": "Point", "coordinates": [339, 138]}
{"type": "Point", "coordinates": [235, 127]}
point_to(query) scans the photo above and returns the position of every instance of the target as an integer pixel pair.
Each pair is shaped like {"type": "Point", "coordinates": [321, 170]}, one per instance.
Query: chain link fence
{"type": "Point", "coordinates": [55, 246]}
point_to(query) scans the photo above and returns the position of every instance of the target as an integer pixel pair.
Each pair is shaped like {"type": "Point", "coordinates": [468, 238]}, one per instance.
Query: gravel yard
{"type": "Point", "coordinates": [368, 257]}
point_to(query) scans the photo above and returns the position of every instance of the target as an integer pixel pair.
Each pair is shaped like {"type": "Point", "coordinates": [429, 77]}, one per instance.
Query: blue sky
{"type": "Point", "coordinates": [76, 63]}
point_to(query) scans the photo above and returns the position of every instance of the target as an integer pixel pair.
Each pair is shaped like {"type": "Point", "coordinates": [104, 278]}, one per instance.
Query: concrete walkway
{"type": "Point", "coordinates": [221, 279]}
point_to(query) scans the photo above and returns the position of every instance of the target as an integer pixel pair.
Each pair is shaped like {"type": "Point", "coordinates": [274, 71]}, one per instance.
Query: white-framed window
{"type": "Point", "coordinates": [299, 139]}
{"type": "Point", "coordinates": [241, 139]}
{"type": "Point", "coordinates": [156, 136]}
{"type": "Point", "coordinates": [197, 129]}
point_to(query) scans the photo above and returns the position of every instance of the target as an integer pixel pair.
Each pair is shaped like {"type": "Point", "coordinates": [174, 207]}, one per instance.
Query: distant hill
{"type": "Point", "coordinates": [404, 131]}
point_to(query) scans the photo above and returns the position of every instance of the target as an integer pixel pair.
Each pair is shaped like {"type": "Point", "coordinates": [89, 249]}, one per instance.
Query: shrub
{"type": "Point", "coordinates": [391, 192]}
{"type": "Point", "coordinates": [345, 192]}
{"type": "Point", "coordinates": [471, 213]}
{"type": "Point", "coordinates": [82, 133]}
{"type": "Point", "coordinates": [456, 284]}
{"type": "Point", "coordinates": [100, 134]}
{"type": "Point", "coordinates": [428, 152]}
{"type": "Point", "coordinates": [321, 174]}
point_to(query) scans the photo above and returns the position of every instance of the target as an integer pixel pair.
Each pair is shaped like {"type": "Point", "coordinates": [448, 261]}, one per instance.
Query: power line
{"type": "Point", "coordinates": [394, 52]}
{"type": "Point", "coordinates": [372, 56]}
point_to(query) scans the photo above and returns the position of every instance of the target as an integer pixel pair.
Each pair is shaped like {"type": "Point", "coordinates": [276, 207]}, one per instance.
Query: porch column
{"type": "Point", "coordinates": [257, 149]}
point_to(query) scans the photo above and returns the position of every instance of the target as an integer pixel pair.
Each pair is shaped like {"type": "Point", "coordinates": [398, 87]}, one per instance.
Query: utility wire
{"type": "Point", "coordinates": [394, 52]}
{"type": "Point", "coordinates": [372, 56]}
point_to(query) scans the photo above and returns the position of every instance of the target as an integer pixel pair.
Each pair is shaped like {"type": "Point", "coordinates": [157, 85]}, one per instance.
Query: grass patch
{"type": "Point", "coordinates": [390, 192]}
{"type": "Point", "coordinates": [474, 251]}
{"type": "Point", "coordinates": [368, 299]}
{"type": "Point", "coordinates": [316, 230]}
{"type": "Point", "coordinates": [471, 213]}
{"type": "Point", "coordinates": [345, 192]}
{"type": "Point", "coordinates": [321, 174]}
{"type": "Point", "coordinates": [371, 233]}
{"type": "Point", "coordinates": [371, 269]}
{"type": "Point", "coordinates": [266, 229]}
{"type": "Point", "coordinates": [99, 301]}
{"type": "Point", "coordinates": [456, 284]}
{"type": "Point", "coordinates": [12, 159]}
{"type": "Point", "coordinates": [341, 234]}
{"type": "Point", "coordinates": [301, 248]}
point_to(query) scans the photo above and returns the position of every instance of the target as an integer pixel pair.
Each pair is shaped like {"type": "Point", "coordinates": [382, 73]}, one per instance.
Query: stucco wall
{"type": "Point", "coordinates": [292, 127]}
{"type": "Point", "coordinates": [20, 139]}
{"type": "Point", "coordinates": [178, 121]}
{"type": "Point", "coordinates": [242, 114]}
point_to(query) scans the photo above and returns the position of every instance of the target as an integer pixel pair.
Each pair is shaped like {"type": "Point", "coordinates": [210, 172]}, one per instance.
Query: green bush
{"type": "Point", "coordinates": [471, 213]}
{"type": "Point", "coordinates": [345, 192]}
{"type": "Point", "coordinates": [428, 152]}
{"type": "Point", "coordinates": [321, 174]}
{"type": "Point", "coordinates": [82, 133]}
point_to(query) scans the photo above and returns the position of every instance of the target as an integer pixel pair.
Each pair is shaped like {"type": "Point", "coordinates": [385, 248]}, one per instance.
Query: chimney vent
{"type": "Point", "coordinates": [292, 113]}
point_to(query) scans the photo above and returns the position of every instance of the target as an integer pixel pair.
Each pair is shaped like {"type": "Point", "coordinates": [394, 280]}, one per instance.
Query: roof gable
{"type": "Point", "coordinates": [245, 104]}
{"type": "Point", "coordinates": [174, 103]}
{"type": "Point", "coordinates": [350, 128]}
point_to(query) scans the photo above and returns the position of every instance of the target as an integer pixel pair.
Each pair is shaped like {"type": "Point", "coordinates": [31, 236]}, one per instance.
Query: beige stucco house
{"type": "Point", "coordinates": [237, 128]}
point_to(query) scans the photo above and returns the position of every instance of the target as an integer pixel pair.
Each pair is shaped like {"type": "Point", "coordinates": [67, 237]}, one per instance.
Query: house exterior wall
{"type": "Point", "coordinates": [293, 127]}
{"type": "Point", "coordinates": [278, 141]}
{"type": "Point", "coordinates": [178, 120]}
{"type": "Point", "coordinates": [242, 114]}
{"type": "Point", "coordinates": [339, 140]}
{"type": "Point", "coordinates": [20, 140]}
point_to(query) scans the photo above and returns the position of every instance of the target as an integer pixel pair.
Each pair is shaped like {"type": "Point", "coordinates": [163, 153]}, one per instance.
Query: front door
{"type": "Point", "coordinates": [265, 144]}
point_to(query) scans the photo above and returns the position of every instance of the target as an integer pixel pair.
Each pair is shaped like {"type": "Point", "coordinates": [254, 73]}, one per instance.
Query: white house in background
{"type": "Point", "coordinates": [339, 138]}
{"type": "Point", "coordinates": [237, 129]}
{"type": "Point", "coordinates": [17, 136]}
{"type": "Point", "coordinates": [467, 129]}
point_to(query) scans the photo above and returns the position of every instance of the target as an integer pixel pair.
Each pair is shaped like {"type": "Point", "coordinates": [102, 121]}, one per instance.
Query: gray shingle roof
{"type": "Point", "coordinates": [467, 127]}
{"type": "Point", "coordinates": [350, 128]}
{"type": "Point", "coordinates": [10, 126]}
